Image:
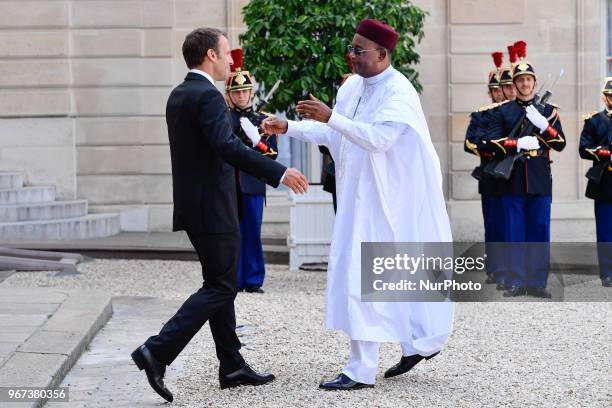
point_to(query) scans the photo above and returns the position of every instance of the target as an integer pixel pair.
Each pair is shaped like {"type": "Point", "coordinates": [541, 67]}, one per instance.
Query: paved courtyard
{"type": "Point", "coordinates": [500, 354]}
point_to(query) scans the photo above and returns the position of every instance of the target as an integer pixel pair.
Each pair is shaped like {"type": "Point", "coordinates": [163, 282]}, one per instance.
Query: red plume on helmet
{"type": "Point", "coordinates": [521, 49]}
{"type": "Point", "coordinates": [498, 58]}
{"type": "Point", "coordinates": [512, 54]}
{"type": "Point", "coordinates": [239, 78]}
{"type": "Point", "coordinates": [524, 67]}
{"type": "Point", "coordinates": [237, 57]}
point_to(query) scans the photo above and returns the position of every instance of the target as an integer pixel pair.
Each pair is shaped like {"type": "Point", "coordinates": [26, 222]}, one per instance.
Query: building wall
{"type": "Point", "coordinates": [84, 84]}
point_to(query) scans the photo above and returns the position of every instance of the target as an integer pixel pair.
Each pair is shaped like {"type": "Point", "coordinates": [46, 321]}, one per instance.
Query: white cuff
{"type": "Point", "coordinates": [292, 128]}
{"type": "Point", "coordinates": [283, 177]}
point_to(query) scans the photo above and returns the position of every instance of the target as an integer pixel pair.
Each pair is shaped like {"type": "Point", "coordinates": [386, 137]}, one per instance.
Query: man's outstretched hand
{"type": "Point", "coordinates": [314, 109]}
{"type": "Point", "coordinates": [296, 181]}
{"type": "Point", "coordinates": [274, 126]}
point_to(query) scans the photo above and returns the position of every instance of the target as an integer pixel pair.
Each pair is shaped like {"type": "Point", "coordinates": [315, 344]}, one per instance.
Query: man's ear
{"type": "Point", "coordinates": [211, 54]}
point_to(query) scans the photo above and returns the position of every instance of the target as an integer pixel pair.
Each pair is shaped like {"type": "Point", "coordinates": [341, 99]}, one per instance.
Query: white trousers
{"type": "Point", "coordinates": [363, 362]}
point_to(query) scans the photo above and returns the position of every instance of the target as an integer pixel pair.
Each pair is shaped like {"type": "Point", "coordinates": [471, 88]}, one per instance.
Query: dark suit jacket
{"type": "Point", "coordinates": [204, 152]}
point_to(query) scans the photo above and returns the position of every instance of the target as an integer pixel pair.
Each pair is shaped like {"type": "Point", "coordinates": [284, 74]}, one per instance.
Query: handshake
{"type": "Point", "coordinates": [292, 178]}
{"type": "Point", "coordinates": [311, 108]}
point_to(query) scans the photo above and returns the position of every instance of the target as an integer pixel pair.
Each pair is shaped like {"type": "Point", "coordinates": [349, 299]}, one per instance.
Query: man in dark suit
{"type": "Point", "coordinates": [204, 152]}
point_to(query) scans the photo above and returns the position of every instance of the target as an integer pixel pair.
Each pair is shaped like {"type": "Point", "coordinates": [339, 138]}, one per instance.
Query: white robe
{"type": "Point", "coordinates": [389, 189]}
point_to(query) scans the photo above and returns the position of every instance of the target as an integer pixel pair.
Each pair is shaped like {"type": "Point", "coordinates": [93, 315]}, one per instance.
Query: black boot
{"type": "Point", "coordinates": [406, 364]}
{"type": "Point", "coordinates": [515, 291]}
{"type": "Point", "coordinates": [154, 369]}
{"type": "Point", "coordinates": [254, 289]}
{"type": "Point", "coordinates": [539, 292]}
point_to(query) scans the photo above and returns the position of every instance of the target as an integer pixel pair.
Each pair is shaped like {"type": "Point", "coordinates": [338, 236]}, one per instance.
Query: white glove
{"type": "Point", "coordinates": [536, 118]}
{"type": "Point", "coordinates": [250, 130]}
{"type": "Point", "coordinates": [528, 143]}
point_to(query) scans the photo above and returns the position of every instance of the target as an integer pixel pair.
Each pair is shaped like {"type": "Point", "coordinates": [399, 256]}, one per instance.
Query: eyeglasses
{"type": "Point", "coordinates": [359, 51]}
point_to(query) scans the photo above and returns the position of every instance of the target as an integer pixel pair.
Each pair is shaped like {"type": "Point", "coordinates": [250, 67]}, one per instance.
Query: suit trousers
{"type": "Point", "coordinates": [213, 302]}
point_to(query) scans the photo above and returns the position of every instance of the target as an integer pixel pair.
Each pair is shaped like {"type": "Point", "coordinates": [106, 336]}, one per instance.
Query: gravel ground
{"type": "Point", "coordinates": [500, 354]}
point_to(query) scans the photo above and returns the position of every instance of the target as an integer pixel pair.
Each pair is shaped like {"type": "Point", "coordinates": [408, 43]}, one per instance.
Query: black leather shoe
{"type": "Point", "coordinates": [515, 291]}
{"type": "Point", "coordinates": [244, 376]}
{"type": "Point", "coordinates": [343, 383]}
{"type": "Point", "coordinates": [254, 289]}
{"type": "Point", "coordinates": [490, 279]}
{"type": "Point", "coordinates": [154, 369]}
{"type": "Point", "coordinates": [607, 282]}
{"type": "Point", "coordinates": [406, 364]}
{"type": "Point", "coordinates": [539, 292]}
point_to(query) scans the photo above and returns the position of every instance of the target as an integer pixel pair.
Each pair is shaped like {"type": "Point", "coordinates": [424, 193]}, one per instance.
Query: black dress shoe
{"type": "Point", "coordinates": [343, 383]}
{"type": "Point", "coordinates": [515, 291]}
{"type": "Point", "coordinates": [244, 376]}
{"type": "Point", "coordinates": [406, 363]}
{"type": "Point", "coordinates": [154, 369]}
{"type": "Point", "coordinates": [490, 279]}
{"type": "Point", "coordinates": [539, 292]}
{"type": "Point", "coordinates": [254, 289]}
{"type": "Point", "coordinates": [607, 282]}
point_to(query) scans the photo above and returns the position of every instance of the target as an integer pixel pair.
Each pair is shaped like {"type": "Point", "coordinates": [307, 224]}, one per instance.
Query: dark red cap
{"type": "Point", "coordinates": [379, 32]}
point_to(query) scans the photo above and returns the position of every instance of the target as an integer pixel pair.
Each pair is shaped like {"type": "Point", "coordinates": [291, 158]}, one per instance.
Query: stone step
{"type": "Point", "coordinates": [23, 195]}
{"type": "Point", "coordinates": [53, 341]}
{"type": "Point", "coordinates": [43, 211]}
{"type": "Point", "coordinates": [277, 240]}
{"type": "Point", "coordinates": [276, 213]}
{"type": "Point", "coordinates": [275, 229]}
{"type": "Point", "coordinates": [10, 180]}
{"type": "Point", "coordinates": [276, 254]}
{"type": "Point", "coordinates": [89, 226]}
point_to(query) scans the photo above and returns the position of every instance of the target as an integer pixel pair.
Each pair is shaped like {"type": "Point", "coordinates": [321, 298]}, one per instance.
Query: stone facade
{"type": "Point", "coordinates": [85, 82]}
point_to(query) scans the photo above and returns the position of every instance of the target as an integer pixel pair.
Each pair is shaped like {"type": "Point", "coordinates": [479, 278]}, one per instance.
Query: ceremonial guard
{"type": "Point", "coordinates": [251, 190]}
{"type": "Point", "coordinates": [595, 145]}
{"type": "Point", "coordinates": [505, 77]}
{"type": "Point", "coordinates": [474, 137]}
{"type": "Point", "coordinates": [523, 133]}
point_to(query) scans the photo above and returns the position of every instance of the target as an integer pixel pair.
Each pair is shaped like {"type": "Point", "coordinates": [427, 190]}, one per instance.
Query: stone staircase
{"type": "Point", "coordinates": [30, 213]}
